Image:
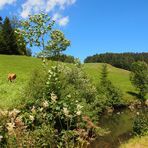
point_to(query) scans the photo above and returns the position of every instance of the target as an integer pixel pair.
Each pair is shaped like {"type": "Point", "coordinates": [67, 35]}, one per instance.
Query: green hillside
{"type": "Point", "coordinates": [119, 77]}
{"type": "Point", "coordinates": [10, 93]}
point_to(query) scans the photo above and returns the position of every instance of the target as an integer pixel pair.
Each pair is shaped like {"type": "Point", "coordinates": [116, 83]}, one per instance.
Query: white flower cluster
{"type": "Point", "coordinates": [79, 107]}
{"type": "Point", "coordinates": [53, 97]}
{"type": "Point", "coordinates": [1, 137]}
{"type": "Point", "coordinates": [31, 118]}
{"type": "Point", "coordinates": [45, 104]}
{"type": "Point", "coordinates": [14, 113]}
{"type": "Point", "coordinates": [66, 112]}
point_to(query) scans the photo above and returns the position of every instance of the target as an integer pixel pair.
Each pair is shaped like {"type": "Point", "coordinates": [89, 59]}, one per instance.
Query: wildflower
{"type": "Point", "coordinates": [41, 109]}
{"type": "Point", "coordinates": [79, 107]}
{"type": "Point", "coordinates": [45, 104]}
{"type": "Point", "coordinates": [31, 118]}
{"type": "Point", "coordinates": [66, 112]}
{"type": "Point", "coordinates": [10, 127]}
{"type": "Point", "coordinates": [78, 113]}
{"type": "Point", "coordinates": [1, 137]}
{"type": "Point", "coordinates": [33, 109]}
{"type": "Point", "coordinates": [14, 113]}
{"type": "Point", "coordinates": [69, 96]}
{"type": "Point", "coordinates": [53, 97]}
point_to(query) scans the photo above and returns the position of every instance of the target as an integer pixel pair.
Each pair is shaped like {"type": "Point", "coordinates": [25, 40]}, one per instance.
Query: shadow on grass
{"type": "Point", "coordinates": [133, 94]}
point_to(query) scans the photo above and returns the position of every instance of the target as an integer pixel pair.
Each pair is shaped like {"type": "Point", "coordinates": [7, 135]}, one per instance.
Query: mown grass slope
{"type": "Point", "coordinates": [11, 93]}
{"type": "Point", "coordinates": [119, 77]}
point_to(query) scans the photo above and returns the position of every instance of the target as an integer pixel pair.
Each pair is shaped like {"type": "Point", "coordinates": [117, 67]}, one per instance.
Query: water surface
{"type": "Point", "coordinates": [120, 124]}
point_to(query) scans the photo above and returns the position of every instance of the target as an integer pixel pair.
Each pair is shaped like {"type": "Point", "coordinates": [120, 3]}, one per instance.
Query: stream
{"type": "Point", "coordinates": [120, 124]}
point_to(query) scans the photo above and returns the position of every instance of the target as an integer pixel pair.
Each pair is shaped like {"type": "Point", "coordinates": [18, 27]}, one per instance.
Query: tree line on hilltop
{"type": "Point", "coordinates": [120, 60]}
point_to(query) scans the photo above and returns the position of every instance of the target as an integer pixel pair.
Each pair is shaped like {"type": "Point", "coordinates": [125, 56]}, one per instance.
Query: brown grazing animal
{"type": "Point", "coordinates": [11, 77]}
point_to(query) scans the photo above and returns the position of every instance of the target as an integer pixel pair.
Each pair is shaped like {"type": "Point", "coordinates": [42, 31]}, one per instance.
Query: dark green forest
{"type": "Point", "coordinates": [120, 60]}
{"type": "Point", "coordinates": [8, 38]}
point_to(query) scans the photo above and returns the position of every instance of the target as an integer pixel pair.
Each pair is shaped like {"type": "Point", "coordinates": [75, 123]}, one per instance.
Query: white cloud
{"type": "Point", "coordinates": [5, 2]}
{"type": "Point", "coordinates": [62, 21]}
{"type": "Point", "coordinates": [32, 6]}
{"type": "Point", "coordinates": [35, 6]}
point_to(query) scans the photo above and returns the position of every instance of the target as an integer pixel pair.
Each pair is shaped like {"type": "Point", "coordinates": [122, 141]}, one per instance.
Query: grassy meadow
{"type": "Point", "coordinates": [137, 142]}
{"type": "Point", "coordinates": [119, 77]}
{"type": "Point", "coordinates": [10, 93]}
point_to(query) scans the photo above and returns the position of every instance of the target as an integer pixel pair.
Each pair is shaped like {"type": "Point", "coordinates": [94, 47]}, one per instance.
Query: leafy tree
{"type": "Point", "coordinates": [15, 23]}
{"type": "Point", "coordinates": [36, 29]}
{"type": "Point", "coordinates": [139, 78]}
{"type": "Point", "coordinates": [58, 43]}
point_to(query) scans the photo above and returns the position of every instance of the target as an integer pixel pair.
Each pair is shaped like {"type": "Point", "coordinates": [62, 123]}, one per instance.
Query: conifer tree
{"type": "Point", "coordinates": [9, 38]}
{"type": "Point", "coordinates": [2, 43]}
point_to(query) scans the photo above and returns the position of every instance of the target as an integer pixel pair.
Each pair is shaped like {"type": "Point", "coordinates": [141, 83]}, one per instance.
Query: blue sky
{"type": "Point", "coordinates": [93, 26]}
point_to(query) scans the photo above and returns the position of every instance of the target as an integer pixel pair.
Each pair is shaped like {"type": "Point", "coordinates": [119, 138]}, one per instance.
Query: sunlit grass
{"type": "Point", "coordinates": [11, 93]}
{"type": "Point", "coordinates": [137, 142]}
{"type": "Point", "coordinates": [119, 77]}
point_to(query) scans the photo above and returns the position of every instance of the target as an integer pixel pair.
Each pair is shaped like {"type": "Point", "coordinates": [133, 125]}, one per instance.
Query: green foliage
{"type": "Point", "coordinates": [36, 85]}
{"type": "Point", "coordinates": [11, 93]}
{"type": "Point", "coordinates": [139, 78]}
{"type": "Point", "coordinates": [58, 43]}
{"type": "Point", "coordinates": [140, 126]}
{"type": "Point", "coordinates": [107, 92]}
{"type": "Point", "coordinates": [63, 58]}
{"type": "Point", "coordinates": [104, 74]}
{"type": "Point", "coordinates": [120, 60]}
{"type": "Point", "coordinates": [55, 116]}
{"type": "Point", "coordinates": [35, 29]}
{"type": "Point", "coordinates": [8, 38]}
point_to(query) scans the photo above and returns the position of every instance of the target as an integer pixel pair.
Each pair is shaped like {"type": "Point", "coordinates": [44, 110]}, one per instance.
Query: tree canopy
{"type": "Point", "coordinates": [139, 78]}
{"type": "Point", "coordinates": [120, 60]}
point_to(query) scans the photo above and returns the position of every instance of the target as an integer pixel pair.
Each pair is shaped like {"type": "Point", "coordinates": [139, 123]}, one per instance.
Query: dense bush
{"type": "Point", "coordinates": [59, 113]}
{"type": "Point", "coordinates": [139, 79]}
{"type": "Point", "coordinates": [140, 126]}
{"type": "Point", "coordinates": [108, 94]}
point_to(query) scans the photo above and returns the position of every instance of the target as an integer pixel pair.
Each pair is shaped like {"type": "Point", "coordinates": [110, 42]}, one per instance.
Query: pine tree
{"type": "Point", "coordinates": [9, 38]}
{"type": "Point", "coordinates": [2, 43]}
{"type": "Point", "coordinates": [104, 74]}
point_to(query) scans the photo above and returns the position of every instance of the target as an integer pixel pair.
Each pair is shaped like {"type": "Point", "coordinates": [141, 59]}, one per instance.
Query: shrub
{"type": "Point", "coordinates": [59, 113]}
{"type": "Point", "coordinates": [140, 126]}
{"type": "Point", "coordinates": [108, 94]}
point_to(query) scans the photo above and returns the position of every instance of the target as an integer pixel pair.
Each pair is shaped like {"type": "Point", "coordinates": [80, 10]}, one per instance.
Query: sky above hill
{"type": "Point", "coordinates": [93, 26]}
